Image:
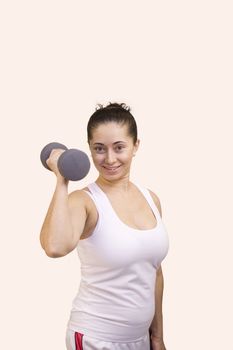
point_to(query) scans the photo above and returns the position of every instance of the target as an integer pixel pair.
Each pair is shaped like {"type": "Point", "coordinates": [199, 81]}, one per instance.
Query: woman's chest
{"type": "Point", "coordinates": [133, 212]}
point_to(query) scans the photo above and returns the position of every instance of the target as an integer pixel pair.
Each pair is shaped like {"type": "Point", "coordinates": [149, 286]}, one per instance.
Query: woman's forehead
{"type": "Point", "coordinates": [110, 132]}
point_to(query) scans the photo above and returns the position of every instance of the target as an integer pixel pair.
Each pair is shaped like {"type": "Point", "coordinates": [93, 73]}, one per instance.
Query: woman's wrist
{"type": "Point", "coordinates": [61, 181]}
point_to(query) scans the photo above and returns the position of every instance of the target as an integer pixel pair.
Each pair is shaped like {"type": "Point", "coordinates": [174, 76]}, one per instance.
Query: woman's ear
{"type": "Point", "coordinates": [136, 146]}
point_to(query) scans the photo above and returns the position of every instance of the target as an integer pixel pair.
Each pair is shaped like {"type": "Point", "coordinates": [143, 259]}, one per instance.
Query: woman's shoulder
{"type": "Point", "coordinates": [81, 196]}
{"type": "Point", "coordinates": [79, 192]}
{"type": "Point", "coordinates": [156, 201]}
{"type": "Point", "coordinates": [154, 197]}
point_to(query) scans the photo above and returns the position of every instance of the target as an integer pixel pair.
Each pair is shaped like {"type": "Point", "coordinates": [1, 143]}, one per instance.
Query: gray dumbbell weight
{"type": "Point", "coordinates": [72, 164]}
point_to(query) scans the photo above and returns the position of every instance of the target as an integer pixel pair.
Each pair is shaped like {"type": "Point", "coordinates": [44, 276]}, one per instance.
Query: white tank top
{"type": "Point", "coordinates": [115, 301]}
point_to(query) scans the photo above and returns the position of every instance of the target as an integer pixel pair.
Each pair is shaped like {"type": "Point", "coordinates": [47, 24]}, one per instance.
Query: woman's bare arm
{"type": "Point", "coordinates": [65, 218]}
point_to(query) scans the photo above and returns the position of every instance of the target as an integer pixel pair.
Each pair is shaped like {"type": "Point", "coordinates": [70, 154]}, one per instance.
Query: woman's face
{"type": "Point", "coordinates": [112, 150]}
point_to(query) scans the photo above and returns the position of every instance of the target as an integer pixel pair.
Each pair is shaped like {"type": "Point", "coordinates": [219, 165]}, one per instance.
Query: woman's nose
{"type": "Point", "coordinates": [110, 157]}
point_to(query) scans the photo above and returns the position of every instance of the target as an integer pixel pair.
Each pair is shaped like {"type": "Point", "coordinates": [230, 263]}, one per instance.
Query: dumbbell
{"type": "Point", "coordinates": [72, 164]}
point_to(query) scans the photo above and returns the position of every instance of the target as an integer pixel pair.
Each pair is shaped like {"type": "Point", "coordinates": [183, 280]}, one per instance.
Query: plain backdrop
{"type": "Point", "coordinates": [171, 62]}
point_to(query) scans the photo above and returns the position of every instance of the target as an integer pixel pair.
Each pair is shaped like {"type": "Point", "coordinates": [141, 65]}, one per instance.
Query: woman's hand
{"type": "Point", "coordinates": [52, 161]}
{"type": "Point", "coordinates": [157, 343]}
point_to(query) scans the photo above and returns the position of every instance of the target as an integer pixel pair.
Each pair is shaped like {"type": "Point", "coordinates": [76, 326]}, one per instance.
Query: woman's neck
{"type": "Point", "coordinates": [118, 185]}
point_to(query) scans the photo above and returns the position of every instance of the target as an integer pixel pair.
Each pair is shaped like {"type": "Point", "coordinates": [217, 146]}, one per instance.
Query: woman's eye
{"type": "Point", "coordinates": [98, 149]}
{"type": "Point", "coordinates": [119, 148]}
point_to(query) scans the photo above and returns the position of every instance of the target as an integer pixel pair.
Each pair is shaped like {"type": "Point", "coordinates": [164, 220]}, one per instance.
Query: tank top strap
{"type": "Point", "coordinates": [96, 192]}
{"type": "Point", "coordinates": [97, 196]}
{"type": "Point", "coordinates": [150, 201]}
{"type": "Point", "coordinates": [92, 190]}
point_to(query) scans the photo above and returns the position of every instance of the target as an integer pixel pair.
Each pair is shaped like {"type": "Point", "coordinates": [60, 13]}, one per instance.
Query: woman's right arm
{"type": "Point", "coordinates": [65, 218]}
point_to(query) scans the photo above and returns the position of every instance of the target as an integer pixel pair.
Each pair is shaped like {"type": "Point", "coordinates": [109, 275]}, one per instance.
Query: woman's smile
{"type": "Point", "coordinates": [111, 169]}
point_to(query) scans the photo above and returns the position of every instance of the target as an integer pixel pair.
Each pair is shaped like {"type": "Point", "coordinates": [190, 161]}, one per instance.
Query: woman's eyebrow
{"type": "Point", "coordinates": [102, 144]}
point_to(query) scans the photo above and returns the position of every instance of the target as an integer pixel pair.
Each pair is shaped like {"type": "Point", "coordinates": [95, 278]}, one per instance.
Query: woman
{"type": "Point", "coordinates": [121, 241]}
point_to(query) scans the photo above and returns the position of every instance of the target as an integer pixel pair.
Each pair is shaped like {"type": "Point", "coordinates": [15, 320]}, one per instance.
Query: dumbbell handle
{"type": "Point", "coordinates": [52, 161]}
{"type": "Point", "coordinates": [72, 164]}
{"type": "Point", "coordinates": [46, 151]}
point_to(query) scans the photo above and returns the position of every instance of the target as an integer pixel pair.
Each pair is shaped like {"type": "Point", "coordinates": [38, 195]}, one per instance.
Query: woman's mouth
{"type": "Point", "coordinates": [111, 169]}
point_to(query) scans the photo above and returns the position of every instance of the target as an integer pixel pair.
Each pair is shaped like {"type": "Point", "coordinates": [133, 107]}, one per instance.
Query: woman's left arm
{"type": "Point", "coordinates": [156, 327]}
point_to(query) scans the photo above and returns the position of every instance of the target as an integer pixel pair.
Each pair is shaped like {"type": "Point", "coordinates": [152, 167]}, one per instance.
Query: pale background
{"type": "Point", "coordinates": [171, 62]}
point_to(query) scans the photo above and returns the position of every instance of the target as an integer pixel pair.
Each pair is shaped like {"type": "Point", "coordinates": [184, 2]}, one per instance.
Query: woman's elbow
{"type": "Point", "coordinates": [55, 252]}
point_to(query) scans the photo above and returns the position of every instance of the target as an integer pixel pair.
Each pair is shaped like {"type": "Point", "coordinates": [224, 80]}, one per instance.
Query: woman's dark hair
{"type": "Point", "coordinates": [113, 112]}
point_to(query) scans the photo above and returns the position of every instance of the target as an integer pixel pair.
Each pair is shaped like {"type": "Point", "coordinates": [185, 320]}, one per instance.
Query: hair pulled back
{"type": "Point", "coordinates": [113, 112]}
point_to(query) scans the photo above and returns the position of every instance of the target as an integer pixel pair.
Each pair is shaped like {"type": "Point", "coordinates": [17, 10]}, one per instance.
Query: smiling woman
{"type": "Point", "coordinates": [112, 137]}
{"type": "Point", "coordinates": [112, 149]}
{"type": "Point", "coordinates": [117, 228]}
